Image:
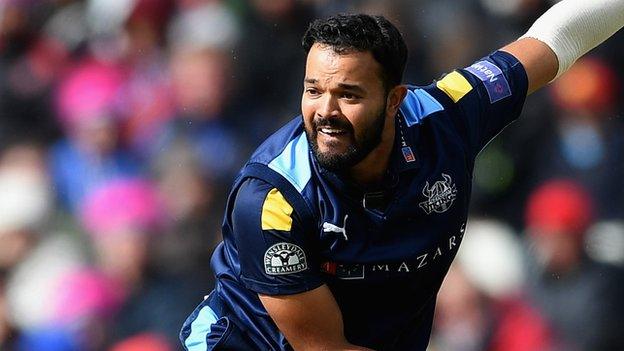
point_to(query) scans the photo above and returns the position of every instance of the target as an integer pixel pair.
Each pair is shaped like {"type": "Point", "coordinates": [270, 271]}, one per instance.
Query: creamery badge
{"type": "Point", "coordinates": [284, 258]}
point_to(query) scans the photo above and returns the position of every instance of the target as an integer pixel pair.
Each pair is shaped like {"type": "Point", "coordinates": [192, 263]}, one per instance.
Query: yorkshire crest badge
{"type": "Point", "coordinates": [440, 195]}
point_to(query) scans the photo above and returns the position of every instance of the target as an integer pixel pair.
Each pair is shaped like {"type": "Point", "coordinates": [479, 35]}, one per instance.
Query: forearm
{"type": "Point", "coordinates": [333, 347]}
{"type": "Point", "coordinates": [349, 347]}
{"type": "Point", "coordinates": [573, 27]}
{"type": "Point", "coordinates": [310, 320]}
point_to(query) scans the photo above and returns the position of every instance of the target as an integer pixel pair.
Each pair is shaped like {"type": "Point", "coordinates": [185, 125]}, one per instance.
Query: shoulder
{"type": "Point", "coordinates": [252, 193]}
{"type": "Point", "coordinates": [276, 177]}
{"type": "Point", "coordinates": [490, 79]}
{"type": "Point", "coordinates": [262, 206]}
{"type": "Point", "coordinates": [286, 152]}
{"type": "Point", "coordinates": [420, 103]}
{"type": "Point", "coordinates": [472, 104]}
{"type": "Point", "coordinates": [275, 144]}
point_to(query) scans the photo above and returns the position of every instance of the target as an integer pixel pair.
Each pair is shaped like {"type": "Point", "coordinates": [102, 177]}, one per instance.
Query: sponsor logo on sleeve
{"type": "Point", "coordinates": [493, 78]}
{"type": "Point", "coordinates": [284, 258]}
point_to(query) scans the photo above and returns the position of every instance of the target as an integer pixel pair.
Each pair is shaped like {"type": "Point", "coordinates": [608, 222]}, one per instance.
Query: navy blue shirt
{"type": "Point", "coordinates": [291, 226]}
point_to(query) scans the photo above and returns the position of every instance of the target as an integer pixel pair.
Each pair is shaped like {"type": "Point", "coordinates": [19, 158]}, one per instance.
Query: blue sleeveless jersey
{"type": "Point", "coordinates": [291, 226]}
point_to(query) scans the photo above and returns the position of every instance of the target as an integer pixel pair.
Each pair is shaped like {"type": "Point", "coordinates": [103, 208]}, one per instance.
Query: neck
{"type": "Point", "coordinates": [371, 170]}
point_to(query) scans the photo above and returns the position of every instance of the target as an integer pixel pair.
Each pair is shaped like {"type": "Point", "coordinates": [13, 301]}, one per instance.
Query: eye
{"type": "Point", "coordinates": [312, 91]}
{"type": "Point", "coordinates": [349, 96]}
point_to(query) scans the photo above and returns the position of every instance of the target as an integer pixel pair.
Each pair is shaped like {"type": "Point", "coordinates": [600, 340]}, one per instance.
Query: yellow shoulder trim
{"type": "Point", "coordinates": [454, 85]}
{"type": "Point", "coordinates": [276, 212]}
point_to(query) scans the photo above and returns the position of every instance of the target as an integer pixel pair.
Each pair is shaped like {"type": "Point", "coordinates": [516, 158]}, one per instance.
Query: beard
{"type": "Point", "coordinates": [358, 148]}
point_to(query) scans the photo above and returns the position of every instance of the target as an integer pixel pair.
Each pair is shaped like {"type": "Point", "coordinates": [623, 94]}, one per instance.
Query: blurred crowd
{"type": "Point", "coordinates": [123, 123]}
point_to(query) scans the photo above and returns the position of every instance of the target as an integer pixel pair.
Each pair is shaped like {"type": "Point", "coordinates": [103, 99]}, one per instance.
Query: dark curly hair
{"type": "Point", "coordinates": [347, 33]}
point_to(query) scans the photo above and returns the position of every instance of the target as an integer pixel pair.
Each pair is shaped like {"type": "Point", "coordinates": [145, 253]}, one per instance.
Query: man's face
{"type": "Point", "coordinates": [343, 106]}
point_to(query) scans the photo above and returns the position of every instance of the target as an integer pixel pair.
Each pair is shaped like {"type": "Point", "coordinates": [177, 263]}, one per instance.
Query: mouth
{"type": "Point", "coordinates": [332, 136]}
{"type": "Point", "coordinates": [331, 132]}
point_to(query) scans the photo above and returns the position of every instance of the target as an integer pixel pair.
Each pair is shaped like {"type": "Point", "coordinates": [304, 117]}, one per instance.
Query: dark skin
{"type": "Point", "coordinates": [341, 86]}
{"type": "Point", "coordinates": [349, 86]}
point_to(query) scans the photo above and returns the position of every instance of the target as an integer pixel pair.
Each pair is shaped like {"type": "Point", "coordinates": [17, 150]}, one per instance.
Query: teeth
{"type": "Point", "coordinates": [330, 131]}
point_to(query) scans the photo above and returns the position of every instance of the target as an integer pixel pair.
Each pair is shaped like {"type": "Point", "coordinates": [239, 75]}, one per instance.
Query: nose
{"type": "Point", "coordinates": [328, 107]}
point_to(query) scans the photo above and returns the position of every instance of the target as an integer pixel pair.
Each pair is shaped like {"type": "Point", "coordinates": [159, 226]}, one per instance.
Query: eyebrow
{"type": "Point", "coordinates": [351, 87]}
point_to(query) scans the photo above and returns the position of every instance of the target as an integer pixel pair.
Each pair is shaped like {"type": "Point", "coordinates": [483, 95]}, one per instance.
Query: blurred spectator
{"type": "Point", "coordinates": [25, 203]}
{"type": "Point", "coordinates": [462, 315]}
{"type": "Point", "coordinates": [52, 339]}
{"type": "Point", "coordinates": [124, 219]}
{"type": "Point", "coordinates": [32, 283]}
{"type": "Point", "coordinates": [90, 154]}
{"type": "Point", "coordinates": [32, 255]}
{"type": "Point", "coordinates": [605, 242]}
{"type": "Point", "coordinates": [146, 98]}
{"type": "Point", "coordinates": [467, 319]}
{"type": "Point", "coordinates": [143, 342]}
{"type": "Point", "coordinates": [84, 294]}
{"type": "Point", "coordinates": [27, 236]}
{"type": "Point", "coordinates": [29, 65]}
{"type": "Point", "coordinates": [200, 36]}
{"type": "Point", "coordinates": [203, 24]}
{"type": "Point", "coordinates": [67, 25]}
{"type": "Point", "coordinates": [95, 93]}
{"type": "Point", "coordinates": [587, 139]}
{"type": "Point", "coordinates": [201, 90]}
{"type": "Point", "coordinates": [84, 302]}
{"type": "Point", "coordinates": [481, 305]}
{"type": "Point", "coordinates": [445, 49]}
{"type": "Point", "coordinates": [189, 197]}
{"type": "Point", "coordinates": [571, 130]}
{"type": "Point", "coordinates": [491, 257]}
{"type": "Point", "coordinates": [8, 332]}
{"type": "Point", "coordinates": [571, 290]}
{"type": "Point", "coordinates": [269, 85]}
{"type": "Point", "coordinates": [512, 17]}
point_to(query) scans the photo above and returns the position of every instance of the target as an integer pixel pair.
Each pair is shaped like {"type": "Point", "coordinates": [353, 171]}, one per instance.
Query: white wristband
{"type": "Point", "coordinates": [573, 27]}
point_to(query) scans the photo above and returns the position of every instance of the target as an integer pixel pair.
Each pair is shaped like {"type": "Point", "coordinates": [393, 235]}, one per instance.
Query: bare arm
{"type": "Point", "coordinates": [538, 59]}
{"type": "Point", "coordinates": [310, 321]}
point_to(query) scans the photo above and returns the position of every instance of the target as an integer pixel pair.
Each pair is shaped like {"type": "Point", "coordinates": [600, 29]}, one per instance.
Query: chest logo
{"type": "Point", "coordinates": [284, 258]}
{"type": "Point", "coordinates": [332, 228]}
{"type": "Point", "coordinates": [440, 195]}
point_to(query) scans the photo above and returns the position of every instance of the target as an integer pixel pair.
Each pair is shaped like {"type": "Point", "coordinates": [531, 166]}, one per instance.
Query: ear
{"type": "Point", "coordinates": [395, 98]}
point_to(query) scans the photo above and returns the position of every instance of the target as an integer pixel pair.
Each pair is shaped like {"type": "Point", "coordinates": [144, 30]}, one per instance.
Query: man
{"type": "Point", "coordinates": [340, 228]}
{"type": "Point", "coordinates": [558, 215]}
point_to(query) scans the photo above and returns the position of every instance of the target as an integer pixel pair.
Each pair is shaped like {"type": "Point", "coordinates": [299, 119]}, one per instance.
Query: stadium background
{"type": "Point", "coordinates": [123, 122]}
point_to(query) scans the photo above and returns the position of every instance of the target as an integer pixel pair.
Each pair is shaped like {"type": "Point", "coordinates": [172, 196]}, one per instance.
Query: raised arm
{"type": "Point", "coordinates": [564, 33]}
{"type": "Point", "coordinates": [309, 320]}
